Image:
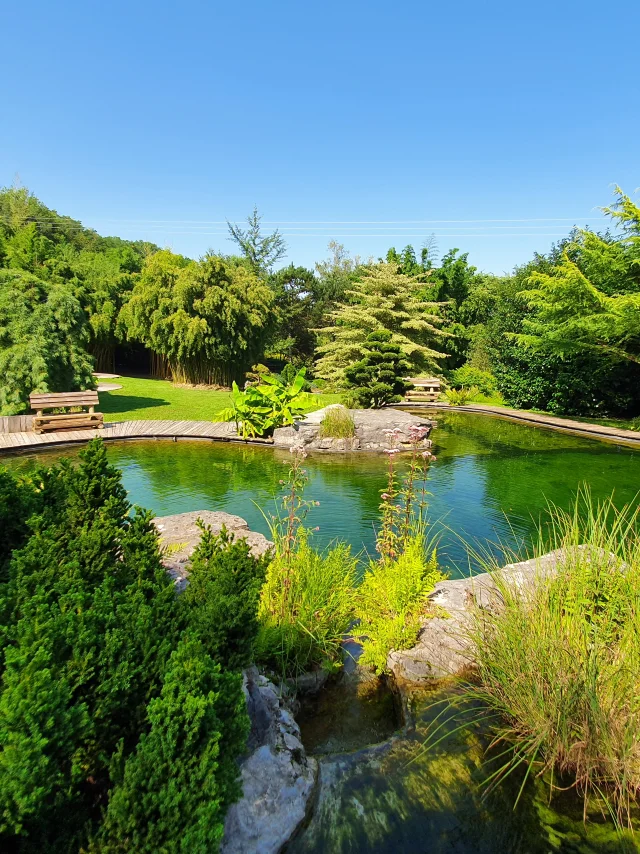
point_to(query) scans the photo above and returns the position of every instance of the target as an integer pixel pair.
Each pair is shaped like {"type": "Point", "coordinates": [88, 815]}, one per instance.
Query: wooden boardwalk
{"type": "Point", "coordinates": [122, 430]}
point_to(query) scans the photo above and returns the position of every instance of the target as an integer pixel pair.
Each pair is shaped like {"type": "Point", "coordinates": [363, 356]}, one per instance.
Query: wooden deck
{"type": "Point", "coordinates": [122, 430]}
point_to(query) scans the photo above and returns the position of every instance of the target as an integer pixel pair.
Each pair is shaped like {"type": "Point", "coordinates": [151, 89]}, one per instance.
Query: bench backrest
{"type": "Point", "coordinates": [69, 398]}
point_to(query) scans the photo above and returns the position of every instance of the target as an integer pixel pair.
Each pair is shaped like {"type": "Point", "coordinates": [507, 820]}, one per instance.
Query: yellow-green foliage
{"type": "Point", "coordinates": [461, 396]}
{"type": "Point", "coordinates": [306, 607]}
{"type": "Point", "coordinates": [392, 600]}
{"type": "Point", "coordinates": [337, 424]}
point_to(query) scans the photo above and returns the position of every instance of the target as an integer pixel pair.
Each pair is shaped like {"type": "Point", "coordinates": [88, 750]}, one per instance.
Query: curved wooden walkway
{"type": "Point", "coordinates": [222, 432]}
{"type": "Point", "coordinates": [122, 430]}
{"type": "Point", "coordinates": [551, 422]}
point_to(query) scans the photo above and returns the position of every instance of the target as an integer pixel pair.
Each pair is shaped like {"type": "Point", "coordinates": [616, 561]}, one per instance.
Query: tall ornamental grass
{"type": "Point", "coordinates": [304, 619]}
{"type": "Point", "coordinates": [559, 664]}
{"type": "Point", "coordinates": [337, 424]}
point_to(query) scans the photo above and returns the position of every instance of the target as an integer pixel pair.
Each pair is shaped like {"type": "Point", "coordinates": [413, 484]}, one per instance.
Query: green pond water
{"type": "Point", "coordinates": [401, 796]}
{"type": "Point", "coordinates": [491, 481]}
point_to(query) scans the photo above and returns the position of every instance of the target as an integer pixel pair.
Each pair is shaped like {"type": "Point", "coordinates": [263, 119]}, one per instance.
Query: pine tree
{"type": "Point", "coordinates": [221, 601]}
{"type": "Point", "coordinates": [89, 621]}
{"type": "Point", "coordinates": [379, 377]}
{"type": "Point", "coordinates": [382, 300]}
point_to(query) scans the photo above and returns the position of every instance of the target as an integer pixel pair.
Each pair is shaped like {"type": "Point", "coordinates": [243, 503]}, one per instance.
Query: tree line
{"type": "Point", "coordinates": [560, 333]}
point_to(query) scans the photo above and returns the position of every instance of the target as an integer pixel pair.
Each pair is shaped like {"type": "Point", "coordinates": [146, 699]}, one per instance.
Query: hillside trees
{"type": "Point", "coordinates": [297, 311]}
{"type": "Point", "coordinates": [43, 335]}
{"type": "Point", "coordinates": [208, 319]}
{"type": "Point", "coordinates": [99, 272]}
{"type": "Point", "coordinates": [590, 301]}
{"type": "Point", "coordinates": [381, 299]}
{"type": "Point", "coordinates": [261, 251]}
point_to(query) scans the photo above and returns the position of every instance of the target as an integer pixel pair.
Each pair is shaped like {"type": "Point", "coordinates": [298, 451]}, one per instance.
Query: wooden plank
{"type": "Point", "coordinates": [56, 398]}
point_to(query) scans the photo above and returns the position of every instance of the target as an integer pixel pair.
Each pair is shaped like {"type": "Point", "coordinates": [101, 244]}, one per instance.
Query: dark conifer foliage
{"type": "Point", "coordinates": [380, 376]}
{"type": "Point", "coordinates": [108, 678]}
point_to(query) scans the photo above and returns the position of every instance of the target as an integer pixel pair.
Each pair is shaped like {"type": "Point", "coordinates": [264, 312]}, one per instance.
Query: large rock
{"type": "Point", "coordinates": [182, 534]}
{"type": "Point", "coordinates": [278, 778]}
{"type": "Point", "coordinates": [444, 647]}
{"type": "Point", "coordinates": [370, 431]}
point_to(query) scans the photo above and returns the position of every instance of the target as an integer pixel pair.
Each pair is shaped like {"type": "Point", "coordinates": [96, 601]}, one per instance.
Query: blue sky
{"type": "Point", "coordinates": [372, 123]}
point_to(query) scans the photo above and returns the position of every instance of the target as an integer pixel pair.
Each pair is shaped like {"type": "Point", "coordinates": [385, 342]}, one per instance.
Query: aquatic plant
{"type": "Point", "coordinates": [392, 599]}
{"type": "Point", "coordinates": [337, 424]}
{"type": "Point", "coordinates": [559, 663]}
{"type": "Point", "coordinates": [306, 604]}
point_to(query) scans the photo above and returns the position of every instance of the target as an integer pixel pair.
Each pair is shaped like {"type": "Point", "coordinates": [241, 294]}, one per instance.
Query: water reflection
{"type": "Point", "coordinates": [491, 481]}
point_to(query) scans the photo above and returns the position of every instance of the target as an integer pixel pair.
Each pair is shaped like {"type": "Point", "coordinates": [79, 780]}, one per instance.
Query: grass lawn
{"type": "Point", "coordinates": [146, 399]}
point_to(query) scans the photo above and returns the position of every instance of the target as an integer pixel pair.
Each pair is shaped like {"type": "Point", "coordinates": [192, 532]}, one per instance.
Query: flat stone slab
{"type": "Point", "coordinates": [182, 533]}
{"type": "Point", "coordinates": [108, 386]}
{"type": "Point", "coordinates": [370, 431]}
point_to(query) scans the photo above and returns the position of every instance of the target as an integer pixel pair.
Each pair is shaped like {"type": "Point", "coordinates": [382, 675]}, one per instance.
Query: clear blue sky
{"type": "Point", "coordinates": [138, 117]}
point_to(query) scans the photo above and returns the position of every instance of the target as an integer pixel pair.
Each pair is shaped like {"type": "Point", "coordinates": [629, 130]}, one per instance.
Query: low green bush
{"type": "Point", "coordinates": [337, 424]}
{"type": "Point", "coordinates": [306, 607]}
{"type": "Point", "coordinates": [220, 602]}
{"type": "Point", "coordinates": [559, 665]}
{"type": "Point", "coordinates": [121, 708]}
{"type": "Point", "coordinates": [461, 396]}
{"type": "Point", "coordinates": [468, 376]}
{"type": "Point", "coordinates": [172, 792]}
{"type": "Point", "coordinates": [392, 601]}
{"type": "Point", "coordinates": [350, 399]}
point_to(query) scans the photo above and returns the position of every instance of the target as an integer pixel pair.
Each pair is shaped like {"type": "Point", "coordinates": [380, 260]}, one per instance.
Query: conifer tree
{"type": "Point", "coordinates": [175, 788]}
{"type": "Point", "coordinates": [380, 376]}
{"type": "Point", "coordinates": [382, 300]}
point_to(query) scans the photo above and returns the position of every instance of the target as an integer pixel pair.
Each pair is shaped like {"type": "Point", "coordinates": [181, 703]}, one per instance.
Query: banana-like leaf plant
{"type": "Point", "coordinates": [260, 409]}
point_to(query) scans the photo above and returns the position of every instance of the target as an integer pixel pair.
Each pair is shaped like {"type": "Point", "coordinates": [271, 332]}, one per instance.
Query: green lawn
{"type": "Point", "coordinates": [145, 399]}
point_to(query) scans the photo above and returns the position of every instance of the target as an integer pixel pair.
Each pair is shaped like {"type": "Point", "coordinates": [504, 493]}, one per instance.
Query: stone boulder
{"type": "Point", "coordinates": [370, 431]}
{"type": "Point", "coordinates": [278, 778]}
{"type": "Point", "coordinates": [183, 534]}
{"type": "Point", "coordinates": [444, 646]}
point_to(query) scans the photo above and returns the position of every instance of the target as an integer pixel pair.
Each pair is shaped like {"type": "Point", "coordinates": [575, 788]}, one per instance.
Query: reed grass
{"type": "Point", "coordinates": [337, 424]}
{"type": "Point", "coordinates": [559, 663]}
{"type": "Point", "coordinates": [306, 607]}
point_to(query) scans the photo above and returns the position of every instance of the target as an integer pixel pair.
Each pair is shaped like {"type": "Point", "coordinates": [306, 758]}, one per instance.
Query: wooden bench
{"type": "Point", "coordinates": [425, 389]}
{"type": "Point", "coordinates": [67, 420]}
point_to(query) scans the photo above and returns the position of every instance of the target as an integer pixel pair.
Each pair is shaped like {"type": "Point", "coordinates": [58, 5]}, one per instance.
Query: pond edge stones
{"type": "Point", "coordinates": [444, 647]}
{"type": "Point", "coordinates": [370, 427]}
{"type": "Point", "coordinates": [278, 778]}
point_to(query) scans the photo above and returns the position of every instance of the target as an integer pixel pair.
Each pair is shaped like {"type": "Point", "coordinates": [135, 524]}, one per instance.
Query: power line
{"type": "Point", "coordinates": [302, 223]}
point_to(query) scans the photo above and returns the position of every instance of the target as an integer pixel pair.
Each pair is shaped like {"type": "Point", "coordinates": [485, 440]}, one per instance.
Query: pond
{"type": "Point", "coordinates": [490, 483]}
